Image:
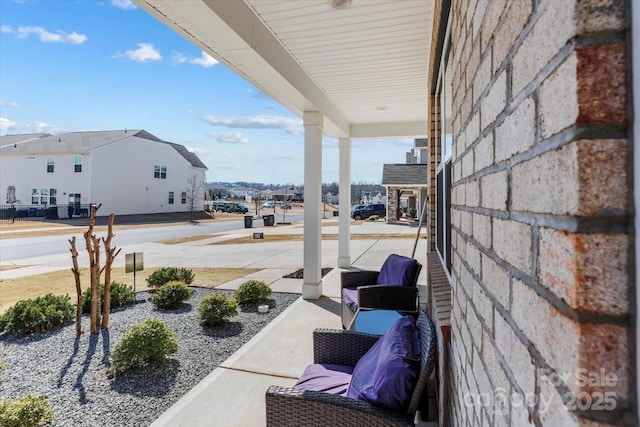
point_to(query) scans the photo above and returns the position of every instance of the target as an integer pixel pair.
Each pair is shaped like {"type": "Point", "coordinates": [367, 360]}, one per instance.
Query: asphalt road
{"type": "Point", "coordinates": [28, 247]}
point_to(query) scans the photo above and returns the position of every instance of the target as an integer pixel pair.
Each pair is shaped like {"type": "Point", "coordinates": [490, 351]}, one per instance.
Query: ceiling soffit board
{"type": "Point", "coordinates": [371, 59]}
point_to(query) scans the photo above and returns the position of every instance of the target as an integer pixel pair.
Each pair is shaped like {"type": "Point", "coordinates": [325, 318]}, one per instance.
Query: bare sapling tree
{"type": "Point", "coordinates": [93, 250]}
{"type": "Point", "coordinates": [76, 274]}
{"type": "Point", "coordinates": [195, 192]}
{"type": "Point", "coordinates": [258, 198]}
{"type": "Point", "coordinates": [110, 254]}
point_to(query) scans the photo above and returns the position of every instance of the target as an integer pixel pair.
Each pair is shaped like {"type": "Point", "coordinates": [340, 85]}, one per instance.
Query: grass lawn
{"type": "Point", "coordinates": [62, 282]}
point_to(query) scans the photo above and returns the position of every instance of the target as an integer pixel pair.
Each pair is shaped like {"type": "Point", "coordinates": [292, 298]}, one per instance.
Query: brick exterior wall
{"type": "Point", "coordinates": [542, 276]}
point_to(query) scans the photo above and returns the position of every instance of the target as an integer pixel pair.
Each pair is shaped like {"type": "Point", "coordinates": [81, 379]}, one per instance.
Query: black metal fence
{"type": "Point", "coordinates": [16, 213]}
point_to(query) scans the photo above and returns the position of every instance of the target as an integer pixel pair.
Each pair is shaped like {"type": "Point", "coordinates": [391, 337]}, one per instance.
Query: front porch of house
{"type": "Point", "coordinates": [234, 393]}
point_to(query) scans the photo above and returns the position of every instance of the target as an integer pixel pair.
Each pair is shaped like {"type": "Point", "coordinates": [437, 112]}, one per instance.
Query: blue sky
{"type": "Point", "coordinates": [74, 65]}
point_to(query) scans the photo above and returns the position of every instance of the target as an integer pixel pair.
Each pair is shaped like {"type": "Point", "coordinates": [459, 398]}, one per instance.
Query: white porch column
{"type": "Point", "coordinates": [344, 227]}
{"type": "Point", "coordinates": [312, 282]}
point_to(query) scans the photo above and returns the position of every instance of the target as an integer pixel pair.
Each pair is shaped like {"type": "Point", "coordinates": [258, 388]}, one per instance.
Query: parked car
{"type": "Point", "coordinates": [286, 205]}
{"type": "Point", "coordinates": [240, 208]}
{"type": "Point", "coordinates": [269, 204]}
{"type": "Point", "coordinates": [378, 209]}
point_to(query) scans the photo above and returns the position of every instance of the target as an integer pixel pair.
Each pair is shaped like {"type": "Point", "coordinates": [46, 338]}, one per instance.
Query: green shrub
{"type": "Point", "coordinates": [169, 274]}
{"type": "Point", "coordinates": [252, 291]}
{"type": "Point", "coordinates": [30, 410]}
{"type": "Point", "coordinates": [146, 342]}
{"type": "Point", "coordinates": [214, 309]}
{"type": "Point", "coordinates": [38, 314]}
{"type": "Point", "coordinates": [121, 295]}
{"type": "Point", "coordinates": [170, 295]}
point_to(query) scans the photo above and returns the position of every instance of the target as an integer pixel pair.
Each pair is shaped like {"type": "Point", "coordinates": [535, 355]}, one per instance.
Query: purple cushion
{"type": "Point", "coordinates": [388, 373]}
{"type": "Point", "coordinates": [329, 378]}
{"type": "Point", "coordinates": [350, 297]}
{"type": "Point", "coordinates": [398, 270]}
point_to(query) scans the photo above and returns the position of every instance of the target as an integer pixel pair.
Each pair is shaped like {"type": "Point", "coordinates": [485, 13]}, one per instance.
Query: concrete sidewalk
{"type": "Point", "coordinates": [234, 393]}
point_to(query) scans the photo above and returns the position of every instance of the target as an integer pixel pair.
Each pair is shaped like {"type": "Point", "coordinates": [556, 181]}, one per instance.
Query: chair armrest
{"type": "Point", "coordinates": [286, 406]}
{"type": "Point", "coordinates": [340, 347]}
{"type": "Point", "coordinates": [383, 297]}
{"type": "Point", "coordinates": [353, 279]}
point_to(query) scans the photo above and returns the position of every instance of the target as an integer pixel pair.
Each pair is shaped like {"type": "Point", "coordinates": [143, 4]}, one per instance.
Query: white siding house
{"type": "Point", "coordinates": [129, 172]}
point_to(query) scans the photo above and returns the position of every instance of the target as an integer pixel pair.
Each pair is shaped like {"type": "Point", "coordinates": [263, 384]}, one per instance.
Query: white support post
{"type": "Point", "coordinates": [312, 282]}
{"type": "Point", "coordinates": [344, 227]}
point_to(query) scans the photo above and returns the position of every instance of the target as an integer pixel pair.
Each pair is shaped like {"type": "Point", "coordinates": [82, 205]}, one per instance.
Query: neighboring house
{"type": "Point", "coordinates": [127, 171]}
{"type": "Point", "coordinates": [406, 189]}
{"type": "Point", "coordinates": [406, 184]}
{"type": "Point", "coordinates": [243, 193]}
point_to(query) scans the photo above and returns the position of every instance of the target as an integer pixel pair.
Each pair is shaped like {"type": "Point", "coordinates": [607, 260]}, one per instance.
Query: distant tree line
{"type": "Point", "coordinates": [221, 190]}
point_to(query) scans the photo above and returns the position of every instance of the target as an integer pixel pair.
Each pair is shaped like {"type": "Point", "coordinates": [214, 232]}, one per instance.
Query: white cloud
{"type": "Point", "coordinates": [289, 125]}
{"type": "Point", "coordinates": [35, 127]}
{"type": "Point", "coordinates": [229, 137]}
{"type": "Point", "coordinates": [6, 124]}
{"type": "Point", "coordinates": [8, 103]}
{"type": "Point", "coordinates": [45, 35]}
{"type": "Point", "coordinates": [124, 4]}
{"type": "Point", "coordinates": [145, 52]}
{"type": "Point", "coordinates": [204, 60]}
{"type": "Point", "coordinates": [178, 58]}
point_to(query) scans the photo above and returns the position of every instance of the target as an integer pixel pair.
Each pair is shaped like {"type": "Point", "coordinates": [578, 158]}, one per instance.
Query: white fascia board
{"type": "Point", "coordinates": [389, 130]}
{"type": "Point", "coordinates": [234, 35]}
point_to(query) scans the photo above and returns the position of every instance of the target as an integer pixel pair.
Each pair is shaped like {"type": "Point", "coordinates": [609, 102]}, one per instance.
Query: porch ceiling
{"type": "Point", "coordinates": [365, 68]}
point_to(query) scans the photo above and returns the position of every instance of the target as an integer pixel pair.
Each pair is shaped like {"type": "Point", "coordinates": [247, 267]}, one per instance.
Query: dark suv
{"type": "Point", "coordinates": [367, 211]}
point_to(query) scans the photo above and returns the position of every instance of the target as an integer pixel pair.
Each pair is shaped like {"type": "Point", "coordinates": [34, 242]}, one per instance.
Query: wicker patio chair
{"type": "Point", "coordinates": [373, 295]}
{"type": "Point", "coordinates": [288, 406]}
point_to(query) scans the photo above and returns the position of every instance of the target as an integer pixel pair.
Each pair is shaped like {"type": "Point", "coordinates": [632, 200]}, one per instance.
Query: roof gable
{"type": "Point", "coordinates": [79, 142]}
{"type": "Point", "coordinates": [405, 174]}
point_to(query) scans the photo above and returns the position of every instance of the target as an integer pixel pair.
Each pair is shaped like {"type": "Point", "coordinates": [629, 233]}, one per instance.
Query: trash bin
{"type": "Point", "coordinates": [269, 220]}
{"type": "Point", "coordinates": [248, 221]}
{"type": "Point", "coordinates": [336, 213]}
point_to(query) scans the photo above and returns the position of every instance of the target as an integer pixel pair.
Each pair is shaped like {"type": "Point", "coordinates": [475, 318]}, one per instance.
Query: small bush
{"type": "Point", "coordinates": [146, 342]}
{"type": "Point", "coordinates": [30, 410]}
{"type": "Point", "coordinates": [38, 314]}
{"type": "Point", "coordinates": [170, 295]}
{"type": "Point", "coordinates": [169, 274]}
{"type": "Point", "coordinates": [214, 309]}
{"type": "Point", "coordinates": [121, 295]}
{"type": "Point", "coordinates": [252, 291]}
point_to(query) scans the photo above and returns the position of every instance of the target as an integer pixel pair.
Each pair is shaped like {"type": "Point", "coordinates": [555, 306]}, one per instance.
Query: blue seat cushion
{"type": "Point", "coordinates": [350, 297]}
{"type": "Point", "coordinates": [398, 270]}
{"type": "Point", "coordinates": [328, 378]}
{"type": "Point", "coordinates": [388, 373]}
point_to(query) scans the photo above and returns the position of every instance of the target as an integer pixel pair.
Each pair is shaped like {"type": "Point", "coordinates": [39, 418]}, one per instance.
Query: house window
{"type": "Point", "coordinates": [44, 196]}
{"type": "Point", "coordinates": [77, 163]}
{"type": "Point", "coordinates": [184, 197]}
{"type": "Point", "coordinates": [160, 172]}
{"type": "Point", "coordinates": [170, 197]}
{"type": "Point", "coordinates": [50, 161]}
{"type": "Point", "coordinates": [443, 178]}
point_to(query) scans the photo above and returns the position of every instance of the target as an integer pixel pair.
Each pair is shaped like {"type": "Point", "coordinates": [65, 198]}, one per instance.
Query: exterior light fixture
{"type": "Point", "coordinates": [340, 4]}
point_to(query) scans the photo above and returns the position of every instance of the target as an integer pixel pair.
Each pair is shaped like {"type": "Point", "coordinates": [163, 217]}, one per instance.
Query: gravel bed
{"type": "Point", "coordinates": [72, 372]}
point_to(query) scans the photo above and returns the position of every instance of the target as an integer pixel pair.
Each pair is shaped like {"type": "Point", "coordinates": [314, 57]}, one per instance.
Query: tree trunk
{"type": "Point", "coordinates": [110, 254]}
{"type": "Point", "coordinates": [76, 274]}
{"type": "Point", "coordinates": [89, 239]}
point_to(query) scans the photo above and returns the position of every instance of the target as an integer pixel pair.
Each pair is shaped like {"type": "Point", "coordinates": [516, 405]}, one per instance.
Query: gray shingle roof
{"type": "Point", "coordinates": [405, 174]}
{"type": "Point", "coordinates": [78, 142]}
